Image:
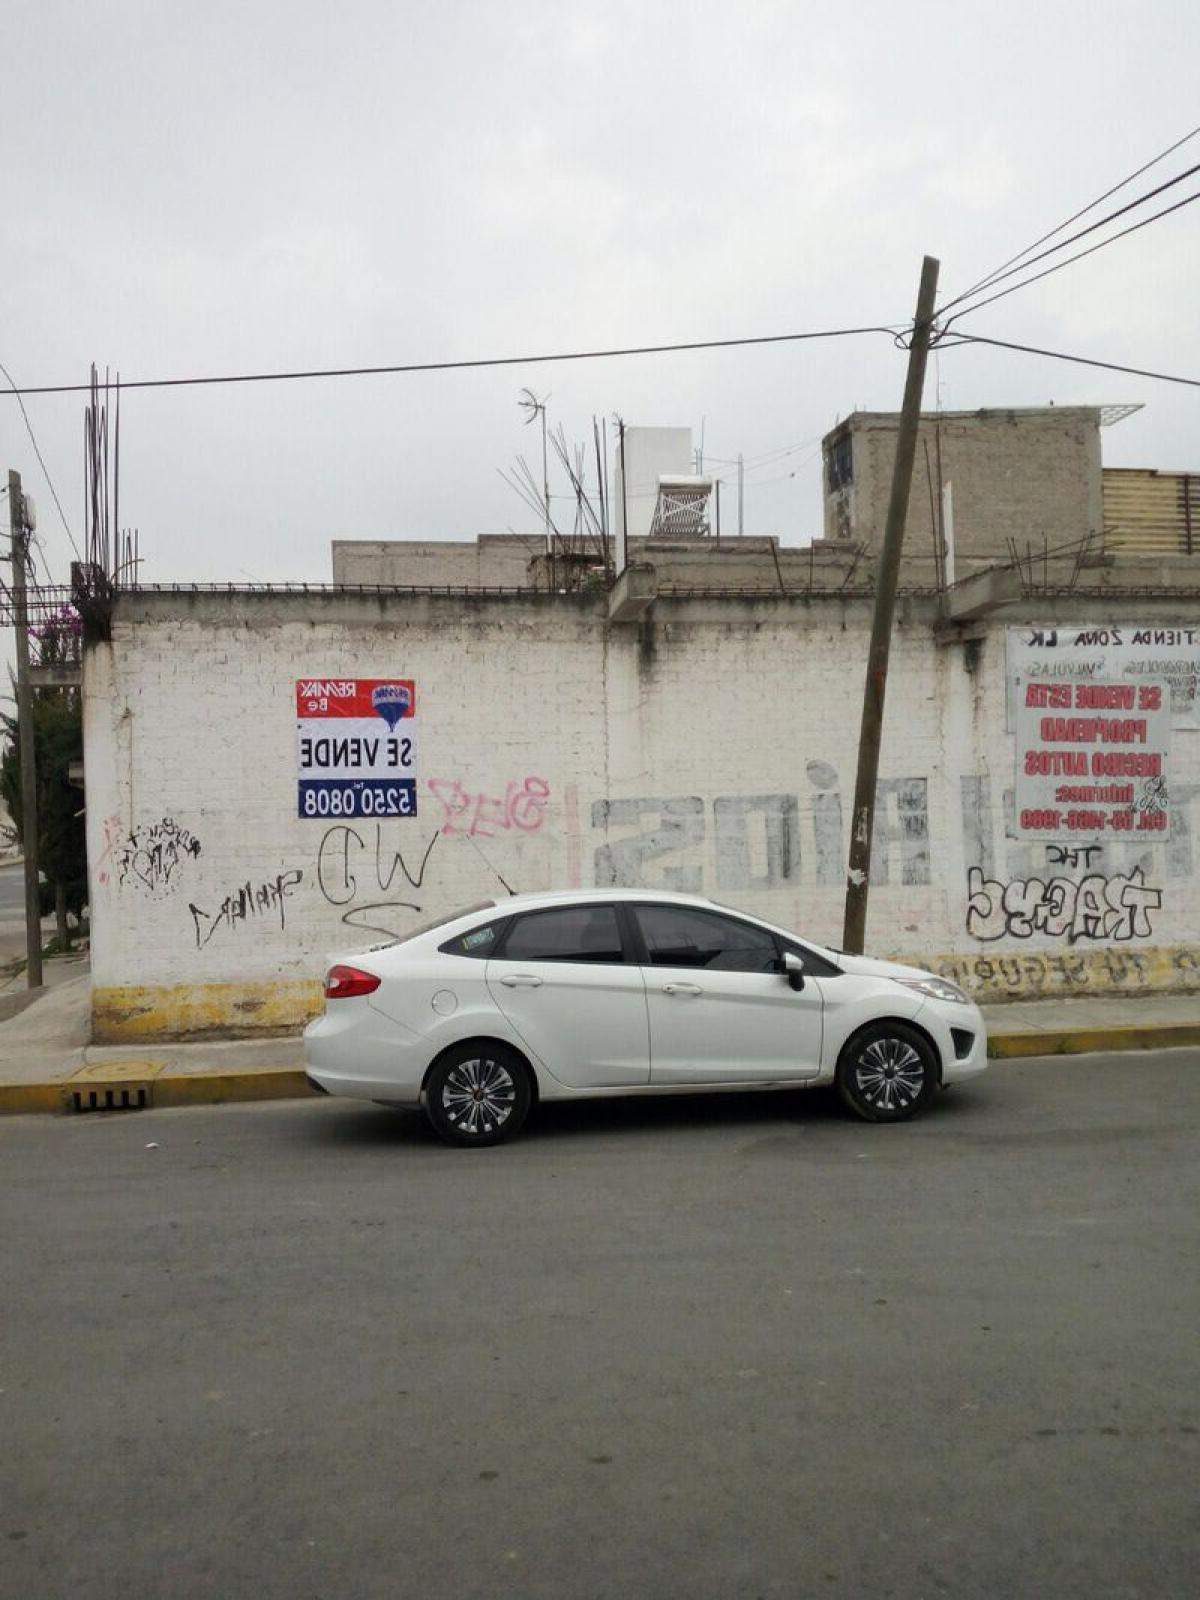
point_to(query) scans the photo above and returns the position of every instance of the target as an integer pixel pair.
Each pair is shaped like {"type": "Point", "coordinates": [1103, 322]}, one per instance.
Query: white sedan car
{"type": "Point", "coordinates": [621, 992]}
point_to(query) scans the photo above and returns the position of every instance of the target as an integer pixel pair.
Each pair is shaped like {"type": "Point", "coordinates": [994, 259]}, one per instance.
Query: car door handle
{"type": "Point", "coordinates": [521, 980]}
{"type": "Point", "coordinates": [682, 988]}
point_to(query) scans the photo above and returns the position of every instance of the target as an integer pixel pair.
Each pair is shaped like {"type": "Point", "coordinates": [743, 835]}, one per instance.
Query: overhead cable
{"type": "Point", "coordinates": [1083, 361]}
{"type": "Point", "coordinates": [1057, 266]}
{"type": "Point", "coordinates": [456, 366]}
{"type": "Point", "coordinates": [1083, 232]}
{"type": "Point", "coordinates": [991, 277]}
{"type": "Point", "coordinates": [41, 460]}
{"type": "Point", "coordinates": [765, 455]}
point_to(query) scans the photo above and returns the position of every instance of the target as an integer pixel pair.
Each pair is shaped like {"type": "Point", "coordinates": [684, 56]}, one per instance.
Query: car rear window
{"type": "Point", "coordinates": [478, 942]}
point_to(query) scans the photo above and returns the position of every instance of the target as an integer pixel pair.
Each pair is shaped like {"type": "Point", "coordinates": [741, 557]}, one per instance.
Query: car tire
{"type": "Point", "coordinates": [478, 1094]}
{"type": "Point", "coordinates": [887, 1072]}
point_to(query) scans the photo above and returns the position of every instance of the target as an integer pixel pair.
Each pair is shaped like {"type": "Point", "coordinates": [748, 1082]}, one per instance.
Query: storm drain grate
{"type": "Point", "coordinates": [112, 1086]}
{"type": "Point", "coordinates": [111, 1097]}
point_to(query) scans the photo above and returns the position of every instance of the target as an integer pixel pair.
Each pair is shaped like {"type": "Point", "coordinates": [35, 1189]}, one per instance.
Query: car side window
{"type": "Point", "coordinates": [477, 942]}
{"type": "Point", "coordinates": [677, 936]}
{"type": "Point", "coordinates": [566, 933]}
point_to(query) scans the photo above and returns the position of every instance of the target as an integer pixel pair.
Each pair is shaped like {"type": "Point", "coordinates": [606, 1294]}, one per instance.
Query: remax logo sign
{"type": "Point", "coordinates": [356, 747]}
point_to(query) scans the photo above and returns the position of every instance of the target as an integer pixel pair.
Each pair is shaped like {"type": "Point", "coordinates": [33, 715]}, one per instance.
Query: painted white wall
{"type": "Point", "coordinates": [712, 752]}
{"type": "Point", "coordinates": [650, 454]}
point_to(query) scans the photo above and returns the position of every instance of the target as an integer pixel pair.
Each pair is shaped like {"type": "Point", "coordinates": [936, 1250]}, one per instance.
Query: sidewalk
{"type": "Point", "coordinates": [46, 1063]}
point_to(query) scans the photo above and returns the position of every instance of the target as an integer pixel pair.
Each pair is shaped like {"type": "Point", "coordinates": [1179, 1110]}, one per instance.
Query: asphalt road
{"type": "Point", "coordinates": [730, 1347]}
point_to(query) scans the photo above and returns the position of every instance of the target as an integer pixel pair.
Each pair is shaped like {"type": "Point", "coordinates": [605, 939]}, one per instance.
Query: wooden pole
{"type": "Point", "coordinates": [862, 822]}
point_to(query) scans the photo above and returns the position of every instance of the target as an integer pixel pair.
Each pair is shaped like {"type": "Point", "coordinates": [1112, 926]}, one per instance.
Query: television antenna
{"type": "Point", "coordinates": [533, 408]}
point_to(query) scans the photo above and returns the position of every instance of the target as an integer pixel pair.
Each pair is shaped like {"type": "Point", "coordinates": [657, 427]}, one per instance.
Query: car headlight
{"type": "Point", "coordinates": [935, 989]}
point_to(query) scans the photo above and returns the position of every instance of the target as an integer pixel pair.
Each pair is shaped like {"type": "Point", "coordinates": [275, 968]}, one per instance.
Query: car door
{"type": "Point", "coordinates": [720, 1010]}
{"type": "Point", "coordinates": [575, 995]}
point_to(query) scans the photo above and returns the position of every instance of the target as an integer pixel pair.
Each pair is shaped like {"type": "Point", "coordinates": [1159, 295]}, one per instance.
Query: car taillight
{"type": "Point", "coordinates": [343, 982]}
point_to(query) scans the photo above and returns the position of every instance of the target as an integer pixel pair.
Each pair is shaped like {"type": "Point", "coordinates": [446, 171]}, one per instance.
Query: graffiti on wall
{"type": "Point", "coordinates": [756, 838]}
{"type": "Point", "coordinates": [474, 813]}
{"type": "Point", "coordinates": [1096, 907]}
{"type": "Point", "coordinates": [1072, 855]}
{"type": "Point", "coordinates": [150, 855]}
{"type": "Point", "coordinates": [1018, 888]}
{"type": "Point", "coordinates": [1087, 969]}
{"type": "Point", "coordinates": [370, 882]}
{"type": "Point", "coordinates": [380, 879]}
{"type": "Point", "coordinates": [249, 903]}
{"type": "Point", "coordinates": [112, 832]}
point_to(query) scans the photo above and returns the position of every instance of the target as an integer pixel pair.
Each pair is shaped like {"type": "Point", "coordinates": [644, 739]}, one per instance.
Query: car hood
{"type": "Point", "coordinates": [870, 967]}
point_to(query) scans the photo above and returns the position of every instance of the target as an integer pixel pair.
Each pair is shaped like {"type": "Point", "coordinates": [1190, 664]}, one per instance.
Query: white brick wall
{"type": "Point", "coordinates": [712, 751]}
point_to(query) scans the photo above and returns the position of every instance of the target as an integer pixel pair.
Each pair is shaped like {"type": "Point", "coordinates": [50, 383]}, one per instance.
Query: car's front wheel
{"type": "Point", "coordinates": [477, 1094]}
{"type": "Point", "coordinates": [887, 1072]}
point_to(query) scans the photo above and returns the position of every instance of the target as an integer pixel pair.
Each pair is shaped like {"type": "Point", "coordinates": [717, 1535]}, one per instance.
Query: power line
{"type": "Point", "coordinates": [749, 471]}
{"type": "Point", "coordinates": [1083, 361]}
{"type": "Point", "coordinates": [762, 483]}
{"type": "Point", "coordinates": [41, 461]}
{"type": "Point", "coordinates": [1112, 216]}
{"type": "Point", "coordinates": [1082, 212]}
{"type": "Point", "coordinates": [765, 455]}
{"type": "Point", "coordinates": [454, 366]}
{"type": "Point", "coordinates": [759, 483]}
{"type": "Point", "coordinates": [1078, 256]}
{"type": "Point", "coordinates": [37, 548]}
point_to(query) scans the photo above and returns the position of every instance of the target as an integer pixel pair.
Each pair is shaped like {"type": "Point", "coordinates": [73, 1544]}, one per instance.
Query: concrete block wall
{"type": "Point", "coordinates": [1031, 475]}
{"type": "Point", "coordinates": [500, 560]}
{"type": "Point", "coordinates": [710, 749]}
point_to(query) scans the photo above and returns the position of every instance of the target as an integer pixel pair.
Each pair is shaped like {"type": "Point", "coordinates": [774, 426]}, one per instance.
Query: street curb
{"type": "Point", "coordinates": [1084, 1041]}
{"type": "Point", "coordinates": [25, 1097]}
{"type": "Point", "coordinates": [175, 1089]}
{"type": "Point", "coordinates": [290, 1083]}
{"type": "Point", "coordinates": [214, 1088]}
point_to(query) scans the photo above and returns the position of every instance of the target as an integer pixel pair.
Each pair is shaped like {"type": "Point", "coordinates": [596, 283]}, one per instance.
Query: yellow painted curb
{"type": "Point", "coordinates": [26, 1097]}
{"type": "Point", "coordinates": [1085, 1041]}
{"type": "Point", "coordinates": [177, 1089]}
{"type": "Point", "coordinates": [213, 1088]}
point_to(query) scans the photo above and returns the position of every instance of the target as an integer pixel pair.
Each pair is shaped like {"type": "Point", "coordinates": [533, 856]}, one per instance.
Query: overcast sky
{"type": "Point", "coordinates": [245, 186]}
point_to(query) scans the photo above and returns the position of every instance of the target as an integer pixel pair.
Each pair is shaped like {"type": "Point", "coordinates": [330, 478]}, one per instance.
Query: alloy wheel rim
{"type": "Point", "coordinates": [889, 1074]}
{"type": "Point", "coordinates": [478, 1096]}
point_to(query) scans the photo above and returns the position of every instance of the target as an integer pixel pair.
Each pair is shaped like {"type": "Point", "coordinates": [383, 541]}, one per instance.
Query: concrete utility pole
{"type": "Point", "coordinates": [29, 816]}
{"type": "Point", "coordinates": [862, 822]}
{"type": "Point", "coordinates": [741, 490]}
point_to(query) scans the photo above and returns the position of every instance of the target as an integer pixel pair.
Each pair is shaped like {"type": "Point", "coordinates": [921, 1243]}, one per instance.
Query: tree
{"type": "Point", "coordinates": [62, 848]}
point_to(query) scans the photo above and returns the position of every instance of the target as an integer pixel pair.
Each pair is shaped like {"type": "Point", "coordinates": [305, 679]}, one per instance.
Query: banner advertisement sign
{"type": "Point", "coordinates": [1092, 761]}
{"type": "Point", "coordinates": [1111, 653]}
{"type": "Point", "coordinates": [356, 747]}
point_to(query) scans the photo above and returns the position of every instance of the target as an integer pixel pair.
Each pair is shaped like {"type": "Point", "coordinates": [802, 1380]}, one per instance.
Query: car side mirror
{"type": "Point", "coordinates": [794, 969]}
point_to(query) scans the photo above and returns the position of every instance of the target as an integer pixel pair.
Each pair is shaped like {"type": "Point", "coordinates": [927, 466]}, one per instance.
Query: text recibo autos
{"type": "Point", "coordinates": [620, 992]}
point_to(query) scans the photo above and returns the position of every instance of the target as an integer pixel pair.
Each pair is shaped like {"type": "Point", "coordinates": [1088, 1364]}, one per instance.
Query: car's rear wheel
{"type": "Point", "coordinates": [887, 1072]}
{"type": "Point", "coordinates": [478, 1094]}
